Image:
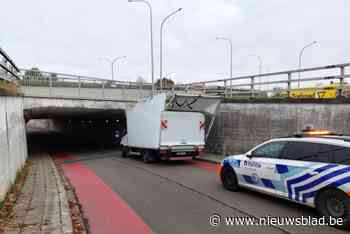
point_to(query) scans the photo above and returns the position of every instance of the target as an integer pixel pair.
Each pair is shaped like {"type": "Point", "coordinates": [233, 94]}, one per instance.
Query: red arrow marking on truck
{"type": "Point", "coordinates": [164, 124]}
{"type": "Point", "coordinates": [201, 125]}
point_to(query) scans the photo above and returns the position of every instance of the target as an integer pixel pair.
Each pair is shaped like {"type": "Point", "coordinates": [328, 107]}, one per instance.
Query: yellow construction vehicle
{"type": "Point", "coordinates": [329, 91]}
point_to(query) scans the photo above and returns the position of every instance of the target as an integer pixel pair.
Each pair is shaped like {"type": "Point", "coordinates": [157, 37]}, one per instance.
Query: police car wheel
{"type": "Point", "coordinates": [336, 204]}
{"type": "Point", "coordinates": [229, 179]}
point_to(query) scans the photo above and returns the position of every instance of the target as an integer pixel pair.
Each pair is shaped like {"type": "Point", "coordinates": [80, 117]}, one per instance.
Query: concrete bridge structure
{"type": "Point", "coordinates": [64, 102]}
{"type": "Point", "coordinates": [35, 83]}
{"type": "Point", "coordinates": [51, 108]}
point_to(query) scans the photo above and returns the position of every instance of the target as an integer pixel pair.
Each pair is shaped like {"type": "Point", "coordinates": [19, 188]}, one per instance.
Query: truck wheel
{"type": "Point", "coordinates": [336, 204]}
{"type": "Point", "coordinates": [147, 156]}
{"type": "Point", "coordinates": [229, 179]}
{"type": "Point", "coordinates": [125, 152]}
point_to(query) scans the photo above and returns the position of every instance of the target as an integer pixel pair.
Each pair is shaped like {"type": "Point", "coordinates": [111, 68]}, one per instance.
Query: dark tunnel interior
{"type": "Point", "coordinates": [74, 134]}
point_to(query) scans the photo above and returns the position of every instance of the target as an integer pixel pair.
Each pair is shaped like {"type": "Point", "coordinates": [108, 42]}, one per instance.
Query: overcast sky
{"type": "Point", "coordinates": [70, 36]}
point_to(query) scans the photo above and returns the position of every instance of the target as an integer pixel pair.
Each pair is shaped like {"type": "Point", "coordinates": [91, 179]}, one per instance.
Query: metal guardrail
{"type": "Point", "coordinates": [33, 77]}
{"type": "Point", "coordinates": [285, 78]}
{"type": "Point", "coordinates": [38, 78]}
{"type": "Point", "coordinates": [52, 80]}
{"type": "Point", "coordinates": [283, 81]}
{"type": "Point", "coordinates": [8, 69]}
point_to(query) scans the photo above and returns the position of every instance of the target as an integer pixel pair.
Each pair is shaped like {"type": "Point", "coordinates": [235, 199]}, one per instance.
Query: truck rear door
{"type": "Point", "coordinates": [182, 129]}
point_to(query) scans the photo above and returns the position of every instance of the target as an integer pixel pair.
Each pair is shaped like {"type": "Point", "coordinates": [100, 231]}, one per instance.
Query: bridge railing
{"type": "Point", "coordinates": [36, 77]}
{"type": "Point", "coordinates": [8, 69]}
{"type": "Point", "coordinates": [276, 82]}
{"type": "Point", "coordinates": [50, 80]}
{"type": "Point", "coordinates": [268, 84]}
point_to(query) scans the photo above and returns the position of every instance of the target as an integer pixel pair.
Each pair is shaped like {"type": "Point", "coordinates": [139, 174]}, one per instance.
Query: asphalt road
{"type": "Point", "coordinates": [179, 197]}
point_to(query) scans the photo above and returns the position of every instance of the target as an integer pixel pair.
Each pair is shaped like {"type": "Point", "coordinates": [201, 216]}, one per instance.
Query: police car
{"type": "Point", "coordinates": [312, 168]}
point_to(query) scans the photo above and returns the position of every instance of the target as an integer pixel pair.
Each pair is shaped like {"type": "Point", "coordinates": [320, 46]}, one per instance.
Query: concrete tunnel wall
{"type": "Point", "coordinates": [241, 126]}
{"type": "Point", "coordinates": [86, 119]}
{"type": "Point", "coordinates": [44, 103]}
{"type": "Point", "coordinates": [13, 143]}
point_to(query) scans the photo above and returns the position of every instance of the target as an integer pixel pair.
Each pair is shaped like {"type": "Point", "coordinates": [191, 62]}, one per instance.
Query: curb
{"type": "Point", "coordinates": [66, 220]}
{"type": "Point", "coordinates": [207, 160]}
{"type": "Point", "coordinates": [76, 210]}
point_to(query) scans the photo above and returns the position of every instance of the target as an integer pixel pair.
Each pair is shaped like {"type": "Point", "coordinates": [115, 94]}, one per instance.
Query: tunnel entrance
{"type": "Point", "coordinates": [92, 130]}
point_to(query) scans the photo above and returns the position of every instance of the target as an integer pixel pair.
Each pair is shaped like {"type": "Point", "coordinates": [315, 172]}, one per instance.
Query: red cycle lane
{"type": "Point", "coordinates": [212, 167]}
{"type": "Point", "coordinates": [106, 211]}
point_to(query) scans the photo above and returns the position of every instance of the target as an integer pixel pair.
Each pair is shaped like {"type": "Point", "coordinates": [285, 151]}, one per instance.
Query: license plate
{"type": "Point", "coordinates": [181, 153]}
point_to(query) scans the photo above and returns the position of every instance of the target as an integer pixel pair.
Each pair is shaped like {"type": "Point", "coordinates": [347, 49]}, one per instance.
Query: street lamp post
{"type": "Point", "coordinates": [300, 55]}
{"type": "Point", "coordinates": [168, 75]}
{"type": "Point", "coordinates": [260, 62]}
{"type": "Point", "coordinates": [161, 45]}
{"type": "Point", "coordinates": [260, 65]}
{"type": "Point", "coordinates": [151, 32]}
{"type": "Point", "coordinates": [112, 62]}
{"type": "Point", "coordinates": [231, 51]}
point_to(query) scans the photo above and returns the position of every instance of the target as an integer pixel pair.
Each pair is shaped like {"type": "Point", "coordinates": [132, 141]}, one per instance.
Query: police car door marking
{"type": "Point", "coordinates": [251, 164]}
{"type": "Point", "coordinates": [248, 179]}
{"type": "Point", "coordinates": [308, 182]}
{"type": "Point", "coordinates": [315, 175]}
{"type": "Point", "coordinates": [281, 169]}
{"type": "Point", "coordinates": [335, 184]}
{"type": "Point", "coordinates": [300, 177]}
{"type": "Point", "coordinates": [318, 176]}
{"type": "Point", "coordinates": [267, 183]}
{"type": "Point", "coordinates": [319, 180]}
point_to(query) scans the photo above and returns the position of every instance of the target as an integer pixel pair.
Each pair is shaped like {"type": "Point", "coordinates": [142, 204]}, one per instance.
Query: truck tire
{"type": "Point", "coordinates": [125, 152]}
{"type": "Point", "coordinates": [147, 156]}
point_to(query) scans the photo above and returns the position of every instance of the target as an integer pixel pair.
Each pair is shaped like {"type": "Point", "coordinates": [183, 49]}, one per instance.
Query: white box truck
{"type": "Point", "coordinates": [155, 133]}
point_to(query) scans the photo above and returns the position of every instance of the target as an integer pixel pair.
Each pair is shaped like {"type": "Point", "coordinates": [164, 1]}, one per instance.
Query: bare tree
{"type": "Point", "coordinates": [141, 80]}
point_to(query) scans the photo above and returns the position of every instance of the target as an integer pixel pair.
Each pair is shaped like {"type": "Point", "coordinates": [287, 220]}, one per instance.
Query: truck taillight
{"type": "Point", "coordinates": [200, 150]}
{"type": "Point", "coordinates": [201, 125]}
{"type": "Point", "coordinates": [163, 124]}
